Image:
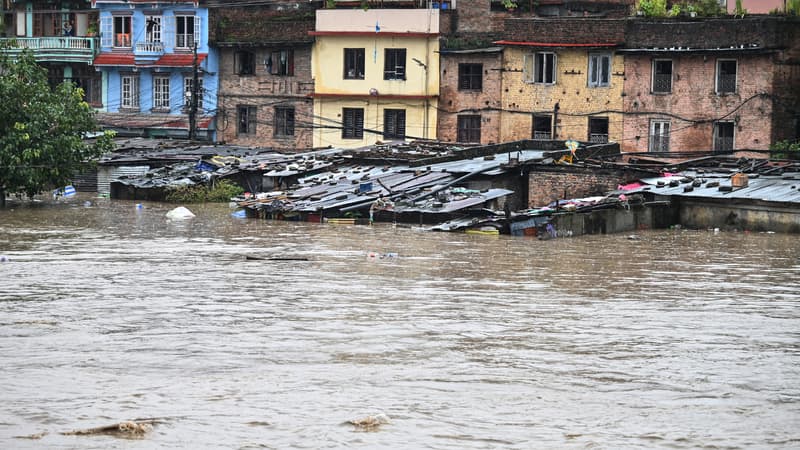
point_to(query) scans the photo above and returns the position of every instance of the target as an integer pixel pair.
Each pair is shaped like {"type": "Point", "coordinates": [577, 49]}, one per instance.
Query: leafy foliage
{"type": "Point", "coordinates": [221, 191]}
{"type": "Point", "coordinates": [653, 8]}
{"type": "Point", "coordinates": [42, 130]}
{"type": "Point", "coordinates": [785, 150]}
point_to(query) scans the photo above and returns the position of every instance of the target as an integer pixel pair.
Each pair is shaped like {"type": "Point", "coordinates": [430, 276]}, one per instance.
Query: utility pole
{"type": "Point", "coordinates": [193, 98]}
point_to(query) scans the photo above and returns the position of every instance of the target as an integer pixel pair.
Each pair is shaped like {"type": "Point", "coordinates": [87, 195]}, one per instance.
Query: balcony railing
{"type": "Point", "coordinates": [54, 48]}
{"type": "Point", "coordinates": [149, 47]}
{"type": "Point", "coordinates": [598, 138]}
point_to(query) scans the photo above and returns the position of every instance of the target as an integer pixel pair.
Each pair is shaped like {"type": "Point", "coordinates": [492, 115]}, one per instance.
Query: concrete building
{"type": "Point", "coordinates": [713, 84]}
{"type": "Point", "coordinates": [562, 79]}
{"type": "Point", "coordinates": [151, 53]}
{"type": "Point", "coordinates": [62, 37]}
{"type": "Point", "coordinates": [265, 76]}
{"type": "Point", "coordinates": [376, 76]}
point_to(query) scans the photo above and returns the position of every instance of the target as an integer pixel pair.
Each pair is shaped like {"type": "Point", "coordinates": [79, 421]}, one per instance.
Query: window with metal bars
{"type": "Point", "coordinates": [469, 128]}
{"type": "Point", "coordinates": [246, 119]}
{"type": "Point", "coordinates": [394, 65]}
{"type": "Point", "coordinates": [354, 64]}
{"type": "Point", "coordinates": [662, 76]}
{"type": "Point", "coordinates": [542, 127]}
{"type": "Point", "coordinates": [284, 121]}
{"type": "Point", "coordinates": [723, 136]}
{"type": "Point", "coordinates": [470, 77]}
{"type": "Point", "coordinates": [726, 76]}
{"type": "Point", "coordinates": [598, 130]}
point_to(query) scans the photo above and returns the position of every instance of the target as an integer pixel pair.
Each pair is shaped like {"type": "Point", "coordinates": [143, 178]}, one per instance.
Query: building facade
{"type": "Point", "coordinates": [160, 75]}
{"type": "Point", "coordinates": [376, 76]}
{"type": "Point", "coordinates": [716, 84]}
{"type": "Point", "coordinates": [265, 76]}
{"type": "Point", "coordinates": [562, 79]}
{"type": "Point", "coordinates": [60, 35]}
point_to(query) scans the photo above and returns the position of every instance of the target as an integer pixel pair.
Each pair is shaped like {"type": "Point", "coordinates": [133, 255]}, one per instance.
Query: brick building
{"type": "Point", "coordinates": [714, 84]}
{"type": "Point", "coordinates": [265, 76]}
{"type": "Point", "coordinates": [562, 79]}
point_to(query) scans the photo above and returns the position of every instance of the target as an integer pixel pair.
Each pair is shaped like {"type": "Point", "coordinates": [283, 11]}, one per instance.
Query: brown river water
{"type": "Point", "coordinates": [675, 339]}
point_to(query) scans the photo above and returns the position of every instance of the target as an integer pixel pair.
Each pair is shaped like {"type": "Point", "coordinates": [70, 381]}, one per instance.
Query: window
{"type": "Point", "coordinates": [352, 123]}
{"type": "Point", "coordinates": [244, 63]}
{"type": "Point", "coordinates": [659, 136]}
{"type": "Point", "coordinates": [599, 70]}
{"type": "Point", "coordinates": [246, 119]}
{"type": "Point", "coordinates": [153, 30]}
{"type": "Point", "coordinates": [394, 65]}
{"type": "Point", "coordinates": [394, 123]}
{"type": "Point", "coordinates": [544, 70]}
{"type": "Point", "coordinates": [598, 130]}
{"type": "Point", "coordinates": [723, 136]}
{"type": "Point", "coordinates": [186, 31]}
{"type": "Point", "coordinates": [470, 77]}
{"type": "Point", "coordinates": [354, 64]}
{"type": "Point", "coordinates": [542, 127]}
{"type": "Point", "coordinates": [187, 92]}
{"type": "Point", "coordinates": [161, 93]}
{"type": "Point", "coordinates": [469, 128]}
{"type": "Point", "coordinates": [284, 121]}
{"type": "Point", "coordinates": [662, 76]}
{"type": "Point", "coordinates": [130, 91]}
{"type": "Point", "coordinates": [726, 76]}
{"type": "Point", "coordinates": [280, 62]}
{"type": "Point", "coordinates": [122, 31]}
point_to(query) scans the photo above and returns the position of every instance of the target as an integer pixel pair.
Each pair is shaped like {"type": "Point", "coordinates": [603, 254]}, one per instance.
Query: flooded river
{"type": "Point", "coordinates": [677, 339]}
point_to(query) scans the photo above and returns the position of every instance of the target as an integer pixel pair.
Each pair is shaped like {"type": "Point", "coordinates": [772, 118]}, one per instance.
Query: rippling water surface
{"type": "Point", "coordinates": [679, 339]}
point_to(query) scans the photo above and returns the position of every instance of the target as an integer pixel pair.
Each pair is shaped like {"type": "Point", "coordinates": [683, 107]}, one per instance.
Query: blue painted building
{"type": "Point", "coordinates": [149, 52]}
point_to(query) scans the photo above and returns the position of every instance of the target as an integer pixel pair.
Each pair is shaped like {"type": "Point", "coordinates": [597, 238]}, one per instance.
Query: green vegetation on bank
{"type": "Point", "coordinates": [219, 191]}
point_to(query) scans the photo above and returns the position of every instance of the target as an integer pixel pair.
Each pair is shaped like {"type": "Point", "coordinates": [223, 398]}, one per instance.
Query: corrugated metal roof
{"type": "Point", "coordinates": [491, 166]}
{"type": "Point", "coordinates": [770, 189]}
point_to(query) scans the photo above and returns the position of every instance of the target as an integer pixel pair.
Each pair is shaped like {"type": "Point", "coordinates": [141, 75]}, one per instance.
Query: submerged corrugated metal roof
{"type": "Point", "coordinates": [491, 166]}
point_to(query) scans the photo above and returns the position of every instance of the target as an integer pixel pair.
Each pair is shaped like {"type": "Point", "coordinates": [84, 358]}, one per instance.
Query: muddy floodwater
{"type": "Point", "coordinates": [666, 339]}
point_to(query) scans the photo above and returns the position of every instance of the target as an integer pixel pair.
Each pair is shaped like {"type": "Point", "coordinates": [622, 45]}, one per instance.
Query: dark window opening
{"type": "Point", "coordinates": [354, 64]}
{"type": "Point", "coordinates": [352, 123]}
{"type": "Point", "coordinates": [662, 76]}
{"type": "Point", "coordinates": [598, 130]}
{"type": "Point", "coordinates": [394, 124]}
{"type": "Point", "coordinates": [246, 120]}
{"type": "Point", "coordinates": [470, 77]}
{"type": "Point", "coordinates": [542, 127]}
{"type": "Point", "coordinates": [245, 63]}
{"type": "Point", "coordinates": [394, 66]}
{"type": "Point", "coordinates": [469, 128]}
{"type": "Point", "coordinates": [284, 121]}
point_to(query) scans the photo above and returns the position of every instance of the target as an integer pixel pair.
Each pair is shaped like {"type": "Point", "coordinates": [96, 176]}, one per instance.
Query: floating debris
{"type": "Point", "coordinates": [370, 423]}
{"type": "Point", "coordinates": [180, 212]}
{"type": "Point", "coordinates": [33, 436]}
{"type": "Point", "coordinates": [127, 429]}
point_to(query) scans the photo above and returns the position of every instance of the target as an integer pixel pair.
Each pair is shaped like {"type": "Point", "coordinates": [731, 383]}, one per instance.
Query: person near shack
{"type": "Point", "coordinates": [378, 205]}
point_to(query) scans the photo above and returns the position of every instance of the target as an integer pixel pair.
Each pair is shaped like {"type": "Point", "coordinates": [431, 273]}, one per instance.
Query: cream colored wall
{"type": "Point", "coordinates": [389, 20]}
{"type": "Point", "coordinates": [328, 65]}
{"type": "Point", "coordinates": [571, 91]}
{"type": "Point", "coordinates": [328, 112]}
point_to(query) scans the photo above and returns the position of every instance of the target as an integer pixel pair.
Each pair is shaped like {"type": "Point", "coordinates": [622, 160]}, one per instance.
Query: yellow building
{"type": "Point", "coordinates": [561, 91]}
{"type": "Point", "coordinates": [376, 76]}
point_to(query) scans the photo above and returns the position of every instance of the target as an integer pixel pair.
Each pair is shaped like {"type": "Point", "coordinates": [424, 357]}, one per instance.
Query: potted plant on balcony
{"type": "Point", "coordinates": [510, 5]}
{"type": "Point", "coordinates": [92, 30]}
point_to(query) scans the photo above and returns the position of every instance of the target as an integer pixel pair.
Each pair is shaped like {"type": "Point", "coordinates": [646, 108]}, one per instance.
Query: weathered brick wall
{"type": "Point", "coordinates": [576, 100]}
{"type": "Point", "coordinates": [265, 91]}
{"type": "Point", "coordinates": [707, 33]}
{"type": "Point", "coordinates": [454, 101]}
{"type": "Point", "coordinates": [548, 184]}
{"type": "Point", "coordinates": [261, 24]}
{"type": "Point", "coordinates": [694, 98]}
{"type": "Point", "coordinates": [566, 30]}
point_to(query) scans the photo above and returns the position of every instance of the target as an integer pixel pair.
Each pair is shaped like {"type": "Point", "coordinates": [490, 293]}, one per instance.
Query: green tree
{"type": "Point", "coordinates": [42, 130]}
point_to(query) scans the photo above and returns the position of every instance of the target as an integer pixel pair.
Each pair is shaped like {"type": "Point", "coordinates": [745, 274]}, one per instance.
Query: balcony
{"type": "Point", "coordinates": [53, 48]}
{"type": "Point", "coordinates": [155, 48]}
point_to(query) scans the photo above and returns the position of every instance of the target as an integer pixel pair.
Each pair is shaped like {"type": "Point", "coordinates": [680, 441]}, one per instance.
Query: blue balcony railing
{"type": "Point", "coordinates": [53, 48]}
